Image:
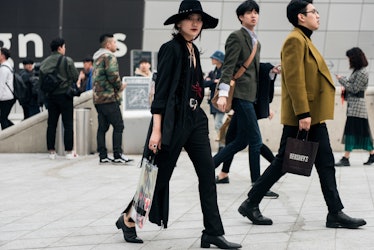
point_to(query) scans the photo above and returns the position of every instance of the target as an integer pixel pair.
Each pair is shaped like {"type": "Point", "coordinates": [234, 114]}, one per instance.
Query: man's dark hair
{"type": "Point", "coordinates": [294, 8]}
{"type": "Point", "coordinates": [27, 61]}
{"type": "Point", "coordinates": [88, 59]}
{"type": "Point", "coordinates": [245, 6]}
{"type": "Point", "coordinates": [104, 37]}
{"type": "Point", "coordinates": [5, 52]}
{"type": "Point", "coordinates": [143, 60]}
{"type": "Point", "coordinates": [357, 58]}
{"type": "Point", "coordinates": [56, 43]}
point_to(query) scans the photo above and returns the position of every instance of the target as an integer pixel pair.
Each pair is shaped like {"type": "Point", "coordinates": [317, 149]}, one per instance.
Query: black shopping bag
{"type": "Point", "coordinates": [142, 200]}
{"type": "Point", "coordinates": [299, 156]}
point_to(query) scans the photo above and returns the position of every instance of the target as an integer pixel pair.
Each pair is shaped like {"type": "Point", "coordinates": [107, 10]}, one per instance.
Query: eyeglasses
{"type": "Point", "coordinates": [314, 11]}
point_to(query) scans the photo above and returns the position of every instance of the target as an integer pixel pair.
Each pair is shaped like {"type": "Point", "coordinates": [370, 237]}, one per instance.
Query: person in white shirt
{"type": "Point", "coordinates": [7, 99]}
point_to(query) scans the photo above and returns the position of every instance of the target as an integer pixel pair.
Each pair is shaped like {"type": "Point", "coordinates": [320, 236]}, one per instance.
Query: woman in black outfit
{"type": "Point", "coordinates": [179, 122]}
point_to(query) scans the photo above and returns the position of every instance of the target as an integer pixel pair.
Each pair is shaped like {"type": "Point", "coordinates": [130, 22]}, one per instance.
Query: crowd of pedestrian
{"type": "Point", "coordinates": [178, 121]}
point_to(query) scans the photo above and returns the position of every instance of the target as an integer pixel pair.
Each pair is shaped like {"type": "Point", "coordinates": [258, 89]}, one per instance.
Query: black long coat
{"type": "Point", "coordinates": [171, 94]}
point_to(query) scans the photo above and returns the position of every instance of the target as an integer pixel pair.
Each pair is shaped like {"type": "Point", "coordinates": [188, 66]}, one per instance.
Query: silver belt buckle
{"type": "Point", "coordinates": [193, 103]}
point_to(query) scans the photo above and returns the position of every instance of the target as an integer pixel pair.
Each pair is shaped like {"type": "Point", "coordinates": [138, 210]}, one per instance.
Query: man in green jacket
{"type": "Point", "coordinates": [238, 47]}
{"type": "Point", "coordinates": [107, 91]}
{"type": "Point", "coordinates": [58, 102]}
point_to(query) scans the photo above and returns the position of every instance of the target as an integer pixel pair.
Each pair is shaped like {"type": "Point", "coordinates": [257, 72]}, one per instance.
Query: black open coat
{"type": "Point", "coordinates": [172, 91]}
{"type": "Point", "coordinates": [265, 91]}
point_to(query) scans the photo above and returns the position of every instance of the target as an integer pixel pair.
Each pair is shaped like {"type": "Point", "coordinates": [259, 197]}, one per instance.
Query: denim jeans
{"type": "Point", "coordinates": [247, 132]}
{"type": "Point", "coordinates": [109, 114]}
{"type": "Point", "coordinates": [218, 120]}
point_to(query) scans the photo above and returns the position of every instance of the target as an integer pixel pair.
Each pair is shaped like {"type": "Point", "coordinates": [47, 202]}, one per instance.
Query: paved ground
{"type": "Point", "coordinates": [63, 204]}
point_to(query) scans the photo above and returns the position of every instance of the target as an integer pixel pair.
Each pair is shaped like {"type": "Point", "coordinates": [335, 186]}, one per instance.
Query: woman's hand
{"type": "Point", "coordinates": [155, 139]}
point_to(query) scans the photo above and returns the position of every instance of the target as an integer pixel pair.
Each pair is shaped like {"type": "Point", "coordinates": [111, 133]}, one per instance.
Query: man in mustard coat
{"type": "Point", "coordinates": [308, 95]}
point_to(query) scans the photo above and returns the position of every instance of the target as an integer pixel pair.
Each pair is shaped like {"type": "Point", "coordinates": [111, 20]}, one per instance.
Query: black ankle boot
{"type": "Point", "coordinates": [129, 233]}
{"type": "Point", "coordinates": [344, 162]}
{"type": "Point", "coordinates": [370, 160]}
{"type": "Point", "coordinates": [341, 220]}
{"type": "Point", "coordinates": [253, 213]}
{"type": "Point", "coordinates": [218, 241]}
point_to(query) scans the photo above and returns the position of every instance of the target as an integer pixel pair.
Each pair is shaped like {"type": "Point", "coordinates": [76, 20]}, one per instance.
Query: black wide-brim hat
{"type": "Point", "coordinates": [188, 7]}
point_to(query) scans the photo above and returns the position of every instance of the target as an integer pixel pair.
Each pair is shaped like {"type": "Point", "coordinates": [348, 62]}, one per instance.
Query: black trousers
{"type": "Point", "coordinates": [324, 164]}
{"type": "Point", "coordinates": [5, 108]}
{"type": "Point", "coordinates": [194, 138]}
{"type": "Point", "coordinates": [109, 114]}
{"type": "Point", "coordinates": [60, 105]}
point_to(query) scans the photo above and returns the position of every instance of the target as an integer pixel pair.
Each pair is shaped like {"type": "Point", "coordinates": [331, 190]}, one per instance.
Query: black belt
{"type": "Point", "coordinates": [193, 103]}
{"type": "Point", "coordinates": [360, 94]}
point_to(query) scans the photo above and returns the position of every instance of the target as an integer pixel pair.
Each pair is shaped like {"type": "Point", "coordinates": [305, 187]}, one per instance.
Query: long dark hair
{"type": "Point", "coordinates": [357, 58]}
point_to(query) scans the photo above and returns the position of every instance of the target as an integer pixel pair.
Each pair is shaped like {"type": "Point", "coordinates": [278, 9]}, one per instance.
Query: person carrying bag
{"type": "Point", "coordinates": [178, 122]}
{"type": "Point", "coordinates": [237, 75]}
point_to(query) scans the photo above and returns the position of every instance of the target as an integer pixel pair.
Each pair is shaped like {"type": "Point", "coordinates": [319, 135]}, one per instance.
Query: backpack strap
{"type": "Point", "coordinates": [59, 61]}
{"type": "Point", "coordinates": [7, 67]}
{"type": "Point", "coordinates": [66, 68]}
{"type": "Point", "coordinates": [65, 65]}
{"type": "Point", "coordinates": [12, 71]}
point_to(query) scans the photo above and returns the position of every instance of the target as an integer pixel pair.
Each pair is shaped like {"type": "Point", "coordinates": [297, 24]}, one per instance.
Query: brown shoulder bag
{"type": "Point", "coordinates": [237, 75]}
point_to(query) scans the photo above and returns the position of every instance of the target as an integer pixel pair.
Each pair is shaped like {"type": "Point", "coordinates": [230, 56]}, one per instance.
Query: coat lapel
{"type": "Point", "coordinates": [248, 39]}
{"type": "Point", "coordinates": [322, 67]}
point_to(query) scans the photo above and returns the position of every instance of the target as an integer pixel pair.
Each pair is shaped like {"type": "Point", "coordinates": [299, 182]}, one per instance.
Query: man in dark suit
{"type": "Point", "coordinates": [308, 94]}
{"type": "Point", "coordinates": [238, 48]}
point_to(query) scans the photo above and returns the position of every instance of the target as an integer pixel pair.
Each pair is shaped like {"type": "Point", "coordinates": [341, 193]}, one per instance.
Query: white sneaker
{"type": "Point", "coordinates": [71, 156]}
{"type": "Point", "coordinates": [52, 155]}
{"type": "Point", "coordinates": [122, 159]}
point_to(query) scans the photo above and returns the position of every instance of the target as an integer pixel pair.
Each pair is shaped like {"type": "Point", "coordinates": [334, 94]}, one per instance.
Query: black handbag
{"type": "Point", "coordinates": [299, 156]}
{"type": "Point", "coordinates": [73, 90]}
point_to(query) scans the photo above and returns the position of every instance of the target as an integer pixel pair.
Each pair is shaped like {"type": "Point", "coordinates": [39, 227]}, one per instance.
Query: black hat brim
{"type": "Point", "coordinates": [209, 22]}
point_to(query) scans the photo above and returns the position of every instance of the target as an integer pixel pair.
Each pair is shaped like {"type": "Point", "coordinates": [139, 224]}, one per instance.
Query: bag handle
{"type": "Point", "coordinates": [149, 155]}
{"type": "Point", "coordinates": [246, 64]}
{"type": "Point", "coordinates": [306, 137]}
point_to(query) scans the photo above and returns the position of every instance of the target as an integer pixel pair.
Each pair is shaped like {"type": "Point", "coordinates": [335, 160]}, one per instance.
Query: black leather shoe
{"type": "Point", "coordinates": [129, 233]}
{"type": "Point", "coordinates": [271, 195]}
{"type": "Point", "coordinates": [341, 220]}
{"type": "Point", "coordinates": [252, 212]}
{"type": "Point", "coordinates": [218, 241]}
{"type": "Point", "coordinates": [370, 160]}
{"type": "Point", "coordinates": [223, 180]}
{"type": "Point", "coordinates": [344, 162]}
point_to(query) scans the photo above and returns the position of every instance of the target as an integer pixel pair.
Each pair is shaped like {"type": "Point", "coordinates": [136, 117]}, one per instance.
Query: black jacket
{"type": "Point", "coordinates": [171, 94]}
{"type": "Point", "coordinates": [265, 91]}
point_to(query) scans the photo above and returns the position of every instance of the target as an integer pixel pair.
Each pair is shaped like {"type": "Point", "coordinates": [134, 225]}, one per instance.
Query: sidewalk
{"type": "Point", "coordinates": [62, 204]}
